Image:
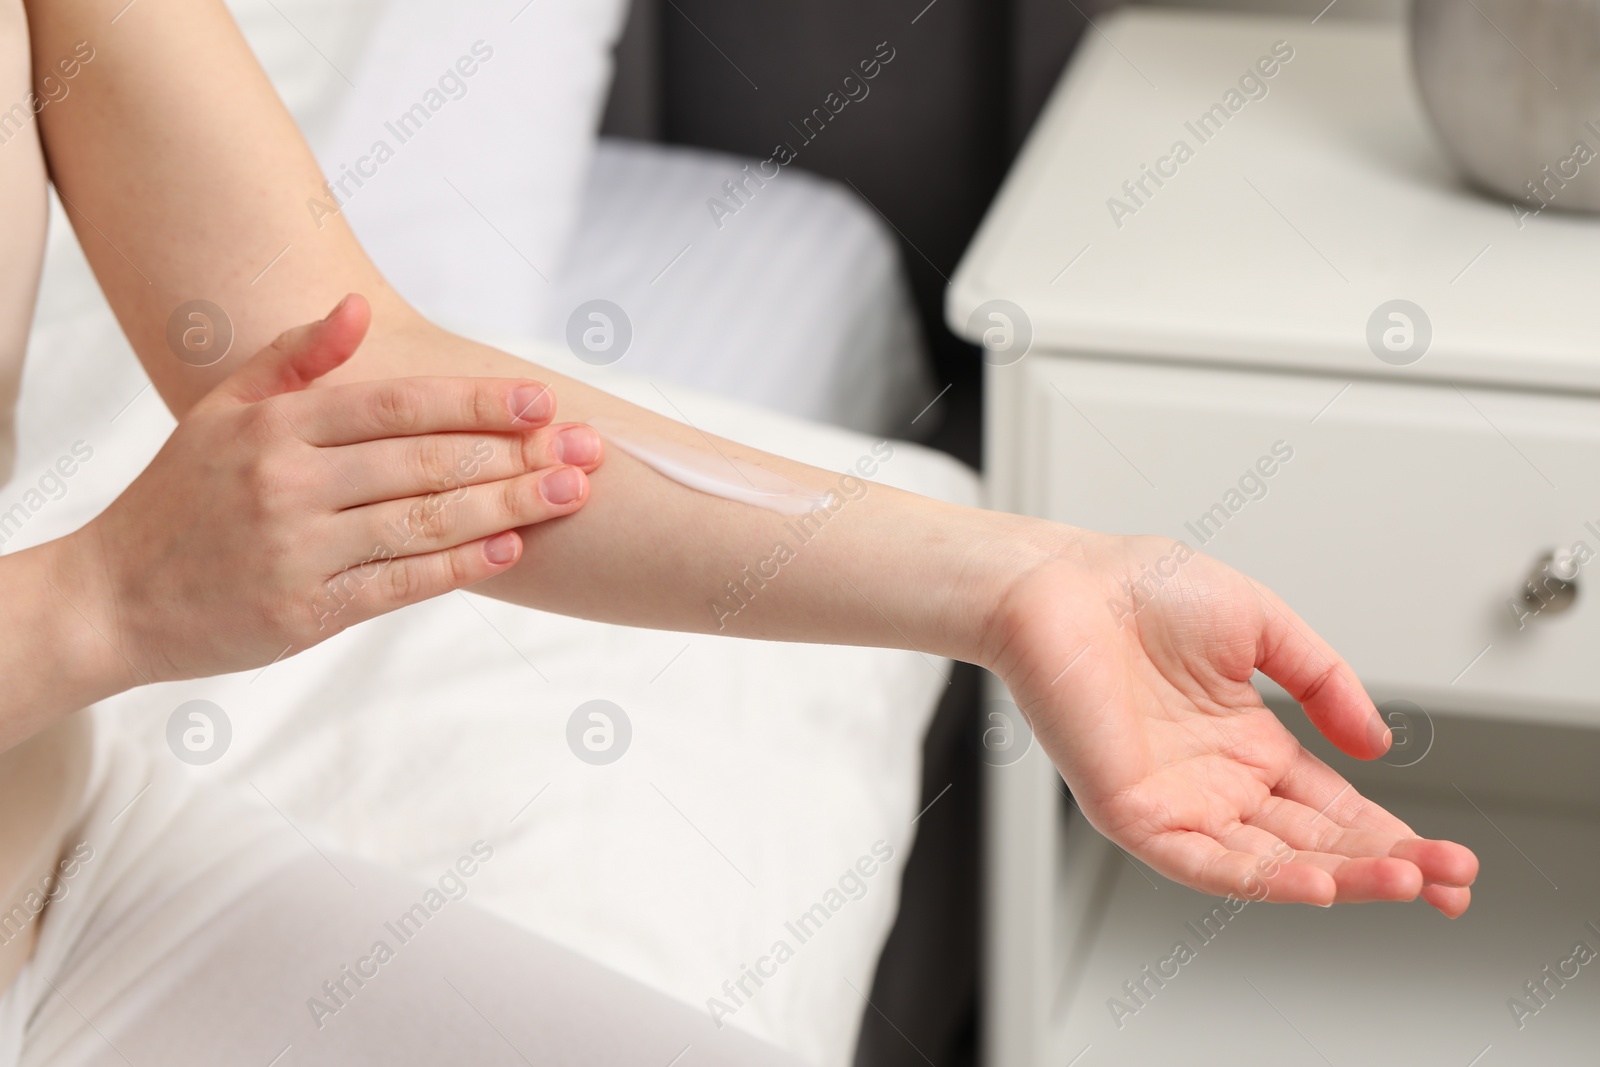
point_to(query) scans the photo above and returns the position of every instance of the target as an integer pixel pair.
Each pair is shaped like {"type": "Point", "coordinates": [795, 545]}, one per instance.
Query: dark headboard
{"type": "Point", "coordinates": [927, 146]}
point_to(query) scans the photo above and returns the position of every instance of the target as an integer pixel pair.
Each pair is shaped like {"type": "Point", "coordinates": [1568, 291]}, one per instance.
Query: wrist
{"type": "Point", "coordinates": [987, 556]}
{"type": "Point", "coordinates": [76, 579]}
{"type": "Point", "coordinates": [53, 662]}
{"type": "Point", "coordinates": [1017, 569]}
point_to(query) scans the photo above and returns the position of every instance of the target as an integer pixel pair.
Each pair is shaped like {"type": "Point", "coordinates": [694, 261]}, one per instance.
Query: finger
{"type": "Point", "coordinates": [1328, 799]}
{"type": "Point", "coordinates": [1363, 881]}
{"type": "Point", "coordinates": [1443, 863]}
{"type": "Point", "coordinates": [1451, 901]}
{"type": "Point", "coordinates": [404, 407]}
{"type": "Point", "coordinates": [375, 588]}
{"type": "Point", "coordinates": [1243, 837]}
{"type": "Point", "coordinates": [443, 520]}
{"type": "Point", "coordinates": [1204, 863]}
{"type": "Point", "coordinates": [1438, 862]}
{"type": "Point", "coordinates": [1307, 830]}
{"type": "Point", "coordinates": [1371, 875]}
{"type": "Point", "coordinates": [432, 463]}
{"type": "Point", "coordinates": [1327, 688]}
{"type": "Point", "coordinates": [1312, 782]}
{"type": "Point", "coordinates": [300, 356]}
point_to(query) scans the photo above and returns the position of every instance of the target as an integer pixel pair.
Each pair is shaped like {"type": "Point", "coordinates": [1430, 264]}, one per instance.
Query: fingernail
{"type": "Point", "coordinates": [337, 308]}
{"type": "Point", "coordinates": [532, 403]}
{"type": "Point", "coordinates": [562, 486]}
{"type": "Point", "coordinates": [501, 548]}
{"type": "Point", "coordinates": [578, 444]}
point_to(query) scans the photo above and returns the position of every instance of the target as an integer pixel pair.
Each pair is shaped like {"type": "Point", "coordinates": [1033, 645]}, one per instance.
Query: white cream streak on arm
{"type": "Point", "coordinates": [709, 471]}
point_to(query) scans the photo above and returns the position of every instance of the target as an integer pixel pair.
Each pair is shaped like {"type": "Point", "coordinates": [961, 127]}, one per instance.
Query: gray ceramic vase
{"type": "Point", "coordinates": [1513, 87]}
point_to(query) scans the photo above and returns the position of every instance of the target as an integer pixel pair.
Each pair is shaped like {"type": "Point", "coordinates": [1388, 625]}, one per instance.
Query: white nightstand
{"type": "Point", "coordinates": [1214, 352]}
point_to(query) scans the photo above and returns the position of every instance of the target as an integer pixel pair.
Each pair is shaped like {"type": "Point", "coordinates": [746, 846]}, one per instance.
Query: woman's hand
{"type": "Point", "coordinates": [275, 516]}
{"type": "Point", "coordinates": [1132, 659]}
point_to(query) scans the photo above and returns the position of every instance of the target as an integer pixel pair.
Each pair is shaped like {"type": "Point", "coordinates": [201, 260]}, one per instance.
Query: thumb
{"type": "Point", "coordinates": [1319, 680]}
{"type": "Point", "coordinates": [301, 355]}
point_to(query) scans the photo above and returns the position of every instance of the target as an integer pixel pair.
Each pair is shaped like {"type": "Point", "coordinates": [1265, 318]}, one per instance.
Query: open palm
{"type": "Point", "coordinates": [1144, 701]}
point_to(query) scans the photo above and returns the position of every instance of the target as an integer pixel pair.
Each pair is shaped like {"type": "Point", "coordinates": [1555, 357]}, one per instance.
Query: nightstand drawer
{"type": "Point", "coordinates": [1402, 520]}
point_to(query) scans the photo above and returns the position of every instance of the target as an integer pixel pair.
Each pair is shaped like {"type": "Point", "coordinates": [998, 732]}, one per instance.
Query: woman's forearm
{"type": "Point", "coordinates": [878, 567]}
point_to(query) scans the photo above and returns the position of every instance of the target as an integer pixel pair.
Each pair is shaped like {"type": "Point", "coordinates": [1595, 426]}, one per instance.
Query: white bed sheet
{"type": "Point", "coordinates": [758, 772]}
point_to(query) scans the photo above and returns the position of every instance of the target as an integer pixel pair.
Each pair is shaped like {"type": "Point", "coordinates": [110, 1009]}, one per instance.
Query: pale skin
{"type": "Point", "coordinates": [1155, 726]}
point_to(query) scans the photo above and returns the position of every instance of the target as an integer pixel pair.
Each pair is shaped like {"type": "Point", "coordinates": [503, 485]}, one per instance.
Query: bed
{"type": "Point", "coordinates": [757, 773]}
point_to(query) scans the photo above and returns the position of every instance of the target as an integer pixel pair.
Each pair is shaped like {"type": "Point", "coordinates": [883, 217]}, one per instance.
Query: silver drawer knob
{"type": "Point", "coordinates": [1552, 588]}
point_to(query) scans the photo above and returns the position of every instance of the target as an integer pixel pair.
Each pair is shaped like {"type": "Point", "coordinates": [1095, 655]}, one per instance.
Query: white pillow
{"type": "Point", "coordinates": [456, 136]}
